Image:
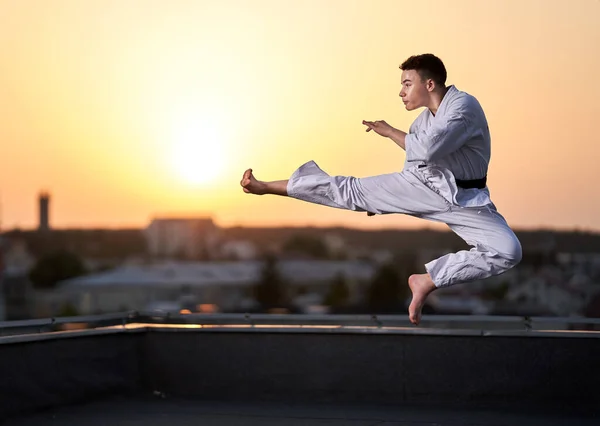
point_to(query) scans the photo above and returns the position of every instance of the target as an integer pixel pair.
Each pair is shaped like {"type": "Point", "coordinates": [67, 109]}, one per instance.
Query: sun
{"type": "Point", "coordinates": [197, 152]}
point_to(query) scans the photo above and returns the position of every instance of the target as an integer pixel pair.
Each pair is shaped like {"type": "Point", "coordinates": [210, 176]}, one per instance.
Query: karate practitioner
{"type": "Point", "coordinates": [443, 179]}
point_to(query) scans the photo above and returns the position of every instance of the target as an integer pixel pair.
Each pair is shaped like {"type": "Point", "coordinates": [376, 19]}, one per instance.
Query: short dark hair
{"type": "Point", "coordinates": [428, 66]}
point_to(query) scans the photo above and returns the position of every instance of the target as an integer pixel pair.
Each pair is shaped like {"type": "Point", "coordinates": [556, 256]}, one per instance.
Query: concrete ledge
{"type": "Point", "coordinates": [374, 368]}
{"type": "Point", "coordinates": [55, 371]}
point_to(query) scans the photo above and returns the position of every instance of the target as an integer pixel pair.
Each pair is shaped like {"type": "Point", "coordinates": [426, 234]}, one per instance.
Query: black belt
{"type": "Point", "coordinates": [474, 183]}
{"type": "Point", "coordinates": [466, 184]}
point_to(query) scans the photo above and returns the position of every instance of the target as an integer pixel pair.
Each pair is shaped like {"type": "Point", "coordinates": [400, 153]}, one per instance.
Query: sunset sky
{"type": "Point", "coordinates": [125, 110]}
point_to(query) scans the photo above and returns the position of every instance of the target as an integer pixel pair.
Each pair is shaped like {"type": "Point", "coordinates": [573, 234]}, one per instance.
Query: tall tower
{"type": "Point", "coordinates": [44, 201]}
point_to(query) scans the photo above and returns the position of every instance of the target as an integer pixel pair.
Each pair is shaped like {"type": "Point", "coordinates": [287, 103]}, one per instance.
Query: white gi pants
{"type": "Point", "coordinates": [495, 247]}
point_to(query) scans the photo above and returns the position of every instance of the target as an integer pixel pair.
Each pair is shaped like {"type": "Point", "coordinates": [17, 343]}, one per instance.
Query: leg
{"type": "Point", "coordinates": [384, 194]}
{"type": "Point", "coordinates": [253, 186]}
{"type": "Point", "coordinates": [496, 249]}
{"type": "Point", "coordinates": [421, 285]}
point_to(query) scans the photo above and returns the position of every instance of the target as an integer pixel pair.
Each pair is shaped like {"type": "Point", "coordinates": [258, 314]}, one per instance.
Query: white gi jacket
{"type": "Point", "coordinates": [454, 144]}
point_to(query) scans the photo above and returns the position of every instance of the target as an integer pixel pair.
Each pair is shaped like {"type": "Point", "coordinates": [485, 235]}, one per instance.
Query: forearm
{"type": "Point", "coordinates": [399, 137]}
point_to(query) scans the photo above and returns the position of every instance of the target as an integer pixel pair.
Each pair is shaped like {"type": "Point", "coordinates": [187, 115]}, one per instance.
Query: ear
{"type": "Point", "coordinates": [430, 85]}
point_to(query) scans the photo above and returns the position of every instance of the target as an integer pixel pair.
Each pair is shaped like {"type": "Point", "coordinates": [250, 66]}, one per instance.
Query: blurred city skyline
{"type": "Point", "coordinates": [128, 111]}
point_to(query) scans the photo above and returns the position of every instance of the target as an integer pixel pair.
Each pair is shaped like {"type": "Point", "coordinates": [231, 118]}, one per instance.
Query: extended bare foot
{"type": "Point", "coordinates": [251, 185]}
{"type": "Point", "coordinates": [420, 286]}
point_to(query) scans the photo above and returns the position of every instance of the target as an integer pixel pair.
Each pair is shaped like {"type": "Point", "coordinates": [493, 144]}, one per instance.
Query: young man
{"type": "Point", "coordinates": [443, 179]}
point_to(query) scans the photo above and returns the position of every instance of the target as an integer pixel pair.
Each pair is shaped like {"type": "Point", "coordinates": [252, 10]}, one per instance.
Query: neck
{"type": "Point", "coordinates": [436, 99]}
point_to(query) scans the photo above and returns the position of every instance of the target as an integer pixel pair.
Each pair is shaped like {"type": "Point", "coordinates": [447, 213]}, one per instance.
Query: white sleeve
{"type": "Point", "coordinates": [444, 136]}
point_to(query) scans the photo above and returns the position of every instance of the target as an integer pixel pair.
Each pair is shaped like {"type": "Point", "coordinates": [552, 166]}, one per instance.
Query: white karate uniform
{"type": "Point", "coordinates": [453, 144]}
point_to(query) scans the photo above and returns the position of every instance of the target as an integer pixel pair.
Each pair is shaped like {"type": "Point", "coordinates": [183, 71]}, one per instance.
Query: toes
{"type": "Point", "coordinates": [246, 178]}
{"type": "Point", "coordinates": [414, 314]}
{"type": "Point", "coordinates": [414, 319]}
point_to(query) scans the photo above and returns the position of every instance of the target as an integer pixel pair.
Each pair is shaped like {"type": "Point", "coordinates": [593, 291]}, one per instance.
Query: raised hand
{"type": "Point", "coordinates": [380, 127]}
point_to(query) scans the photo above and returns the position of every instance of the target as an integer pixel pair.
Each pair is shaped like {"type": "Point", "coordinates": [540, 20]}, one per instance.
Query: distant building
{"type": "Point", "coordinates": [17, 259]}
{"type": "Point", "coordinates": [181, 238]}
{"type": "Point", "coordinates": [552, 288]}
{"type": "Point", "coordinates": [224, 286]}
{"type": "Point", "coordinates": [239, 250]}
{"type": "Point", "coordinates": [44, 211]}
{"type": "Point", "coordinates": [336, 245]}
{"type": "Point", "coordinates": [15, 263]}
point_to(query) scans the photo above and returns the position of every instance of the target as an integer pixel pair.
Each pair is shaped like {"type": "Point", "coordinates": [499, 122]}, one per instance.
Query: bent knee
{"type": "Point", "coordinates": [511, 252]}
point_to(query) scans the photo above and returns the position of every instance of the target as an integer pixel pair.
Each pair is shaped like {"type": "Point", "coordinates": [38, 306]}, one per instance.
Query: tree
{"type": "Point", "coordinates": [270, 291]}
{"type": "Point", "coordinates": [55, 267]}
{"type": "Point", "coordinates": [496, 293]}
{"type": "Point", "coordinates": [386, 293]}
{"type": "Point", "coordinates": [338, 292]}
{"type": "Point", "coordinates": [68, 310]}
{"type": "Point", "coordinates": [307, 245]}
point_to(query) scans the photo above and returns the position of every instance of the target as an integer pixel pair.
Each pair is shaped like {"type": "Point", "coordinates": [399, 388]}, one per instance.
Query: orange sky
{"type": "Point", "coordinates": [119, 107]}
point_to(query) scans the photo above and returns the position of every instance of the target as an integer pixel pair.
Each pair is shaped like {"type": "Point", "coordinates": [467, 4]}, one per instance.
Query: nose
{"type": "Point", "coordinates": [402, 94]}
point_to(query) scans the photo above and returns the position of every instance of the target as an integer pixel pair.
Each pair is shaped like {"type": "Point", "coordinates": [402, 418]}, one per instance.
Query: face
{"type": "Point", "coordinates": [415, 92]}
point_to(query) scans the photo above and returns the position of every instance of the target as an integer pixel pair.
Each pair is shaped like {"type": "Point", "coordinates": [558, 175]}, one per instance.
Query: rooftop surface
{"type": "Point", "coordinates": [158, 411]}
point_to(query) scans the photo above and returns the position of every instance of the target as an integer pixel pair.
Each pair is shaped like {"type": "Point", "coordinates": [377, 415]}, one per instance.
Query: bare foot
{"type": "Point", "coordinates": [420, 285]}
{"type": "Point", "coordinates": [251, 185]}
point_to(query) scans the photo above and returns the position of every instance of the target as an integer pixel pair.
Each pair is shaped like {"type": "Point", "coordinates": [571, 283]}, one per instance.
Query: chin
{"type": "Point", "coordinates": [411, 106]}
